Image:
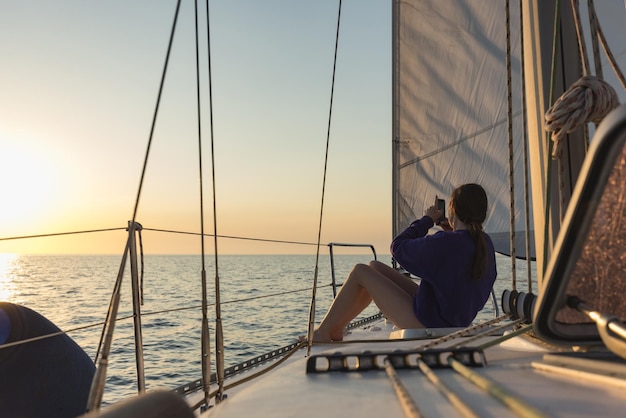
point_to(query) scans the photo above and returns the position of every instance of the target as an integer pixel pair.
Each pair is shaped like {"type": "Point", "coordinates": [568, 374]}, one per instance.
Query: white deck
{"type": "Point", "coordinates": [288, 391]}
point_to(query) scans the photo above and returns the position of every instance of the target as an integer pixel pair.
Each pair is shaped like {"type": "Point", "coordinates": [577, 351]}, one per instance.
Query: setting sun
{"type": "Point", "coordinates": [6, 285]}
{"type": "Point", "coordinates": [27, 184]}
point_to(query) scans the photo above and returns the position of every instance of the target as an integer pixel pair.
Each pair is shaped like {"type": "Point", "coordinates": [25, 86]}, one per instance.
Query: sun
{"type": "Point", "coordinates": [6, 278]}
{"type": "Point", "coordinates": [26, 182]}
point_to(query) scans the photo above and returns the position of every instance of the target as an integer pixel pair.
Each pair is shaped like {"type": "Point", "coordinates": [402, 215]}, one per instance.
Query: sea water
{"type": "Point", "coordinates": [265, 302]}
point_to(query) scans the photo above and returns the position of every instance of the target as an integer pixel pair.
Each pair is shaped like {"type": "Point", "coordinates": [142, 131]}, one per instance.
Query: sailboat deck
{"type": "Point", "coordinates": [290, 391]}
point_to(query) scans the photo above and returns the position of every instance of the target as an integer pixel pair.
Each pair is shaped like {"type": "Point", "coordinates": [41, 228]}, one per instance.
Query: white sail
{"type": "Point", "coordinates": [450, 110]}
{"type": "Point", "coordinates": [450, 105]}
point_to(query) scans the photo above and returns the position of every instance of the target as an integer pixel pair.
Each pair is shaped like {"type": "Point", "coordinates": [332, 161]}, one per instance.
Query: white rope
{"type": "Point", "coordinates": [588, 100]}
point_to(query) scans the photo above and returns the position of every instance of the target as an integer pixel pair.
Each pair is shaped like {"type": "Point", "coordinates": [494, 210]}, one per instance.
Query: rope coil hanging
{"type": "Point", "coordinates": [588, 100]}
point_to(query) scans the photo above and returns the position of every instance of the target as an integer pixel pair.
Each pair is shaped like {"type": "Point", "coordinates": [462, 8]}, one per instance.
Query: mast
{"type": "Point", "coordinates": [552, 181]}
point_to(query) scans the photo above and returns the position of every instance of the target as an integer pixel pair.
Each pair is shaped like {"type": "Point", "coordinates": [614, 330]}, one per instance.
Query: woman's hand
{"type": "Point", "coordinates": [433, 213]}
{"type": "Point", "coordinates": [445, 225]}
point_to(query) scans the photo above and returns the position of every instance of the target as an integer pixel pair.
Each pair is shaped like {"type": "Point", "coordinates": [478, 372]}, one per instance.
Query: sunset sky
{"type": "Point", "coordinates": [78, 88]}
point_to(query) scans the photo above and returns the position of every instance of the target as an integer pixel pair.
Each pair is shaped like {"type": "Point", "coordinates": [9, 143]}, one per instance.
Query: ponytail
{"type": "Point", "coordinates": [480, 250]}
{"type": "Point", "coordinates": [469, 204]}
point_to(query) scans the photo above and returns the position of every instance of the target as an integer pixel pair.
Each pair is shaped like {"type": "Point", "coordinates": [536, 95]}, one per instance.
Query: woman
{"type": "Point", "coordinates": [456, 266]}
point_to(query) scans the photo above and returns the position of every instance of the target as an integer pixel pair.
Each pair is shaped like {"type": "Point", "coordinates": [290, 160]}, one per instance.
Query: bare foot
{"type": "Point", "coordinates": [322, 337]}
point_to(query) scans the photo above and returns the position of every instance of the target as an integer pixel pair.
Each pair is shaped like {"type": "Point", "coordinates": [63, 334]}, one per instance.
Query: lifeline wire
{"type": "Point", "coordinates": [160, 312]}
{"type": "Point", "coordinates": [55, 234]}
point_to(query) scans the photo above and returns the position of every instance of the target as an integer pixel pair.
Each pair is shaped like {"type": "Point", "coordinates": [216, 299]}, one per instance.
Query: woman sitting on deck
{"type": "Point", "coordinates": [457, 269]}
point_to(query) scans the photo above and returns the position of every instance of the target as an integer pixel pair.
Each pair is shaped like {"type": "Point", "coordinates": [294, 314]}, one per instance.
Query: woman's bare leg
{"type": "Point", "coordinates": [363, 285]}
{"type": "Point", "coordinates": [349, 302]}
{"type": "Point", "coordinates": [406, 283]}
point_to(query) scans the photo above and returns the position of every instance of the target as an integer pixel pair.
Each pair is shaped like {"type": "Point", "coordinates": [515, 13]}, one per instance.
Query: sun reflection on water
{"type": "Point", "coordinates": [7, 268]}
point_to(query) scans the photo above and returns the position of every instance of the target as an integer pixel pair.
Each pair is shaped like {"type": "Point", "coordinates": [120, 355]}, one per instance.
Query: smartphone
{"type": "Point", "coordinates": [441, 207]}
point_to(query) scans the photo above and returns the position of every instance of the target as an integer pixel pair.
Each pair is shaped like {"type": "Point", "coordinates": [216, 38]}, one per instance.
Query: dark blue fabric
{"type": "Point", "coordinates": [45, 378]}
{"type": "Point", "coordinates": [5, 326]}
{"type": "Point", "coordinates": [448, 296]}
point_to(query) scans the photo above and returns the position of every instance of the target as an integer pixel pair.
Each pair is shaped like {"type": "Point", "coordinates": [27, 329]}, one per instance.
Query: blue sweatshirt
{"type": "Point", "coordinates": [448, 296]}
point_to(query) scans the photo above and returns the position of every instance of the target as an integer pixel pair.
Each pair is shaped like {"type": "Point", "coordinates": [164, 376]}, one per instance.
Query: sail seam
{"type": "Point", "coordinates": [454, 144]}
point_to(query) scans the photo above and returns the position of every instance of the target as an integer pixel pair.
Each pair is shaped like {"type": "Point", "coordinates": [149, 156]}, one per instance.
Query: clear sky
{"type": "Point", "coordinates": [78, 88]}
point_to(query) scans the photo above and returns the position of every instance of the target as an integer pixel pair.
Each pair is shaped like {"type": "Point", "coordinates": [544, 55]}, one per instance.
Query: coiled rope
{"type": "Point", "coordinates": [590, 98]}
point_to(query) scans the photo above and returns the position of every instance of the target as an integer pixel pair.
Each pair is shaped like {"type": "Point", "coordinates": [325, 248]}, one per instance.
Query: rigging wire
{"type": "Point", "coordinates": [156, 111]}
{"type": "Point", "coordinates": [581, 38]}
{"type": "Point", "coordinates": [584, 60]}
{"type": "Point", "coordinates": [605, 46]}
{"type": "Point", "coordinates": [206, 341]}
{"type": "Point", "coordinates": [511, 145]}
{"type": "Point", "coordinates": [218, 317]}
{"type": "Point", "coordinates": [96, 391]}
{"type": "Point", "coordinates": [526, 163]}
{"type": "Point", "coordinates": [319, 231]}
{"type": "Point", "coordinates": [595, 42]}
{"type": "Point", "coordinates": [97, 387]}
